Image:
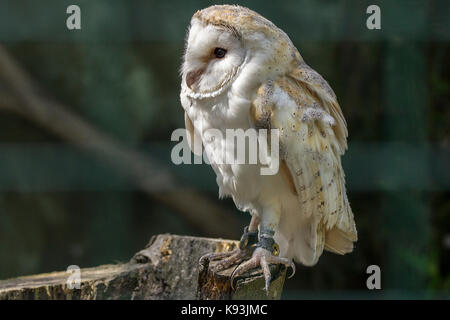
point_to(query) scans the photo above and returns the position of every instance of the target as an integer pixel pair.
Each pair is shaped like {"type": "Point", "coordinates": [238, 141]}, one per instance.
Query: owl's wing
{"type": "Point", "coordinates": [312, 138]}
{"type": "Point", "coordinates": [193, 138]}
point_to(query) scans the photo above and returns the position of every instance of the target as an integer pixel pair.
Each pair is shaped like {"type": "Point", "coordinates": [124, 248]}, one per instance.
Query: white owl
{"type": "Point", "coordinates": [240, 71]}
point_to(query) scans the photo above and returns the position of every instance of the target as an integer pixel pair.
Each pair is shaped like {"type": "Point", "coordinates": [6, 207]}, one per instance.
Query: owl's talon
{"type": "Point", "coordinates": [245, 248]}
{"type": "Point", "coordinates": [248, 238]}
{"type": "Point", "coordinates": [263, 258]}
{"type": "Point", "coordinates": [237, 257]}
{"type": "Point", "coordinates": [227, 259]}
{"type": "Point", "coordinates": [211, 256]}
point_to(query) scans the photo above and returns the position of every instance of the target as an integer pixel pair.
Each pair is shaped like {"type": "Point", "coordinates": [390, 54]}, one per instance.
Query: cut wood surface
{"type": "Point", "coordinates": [167, 268]}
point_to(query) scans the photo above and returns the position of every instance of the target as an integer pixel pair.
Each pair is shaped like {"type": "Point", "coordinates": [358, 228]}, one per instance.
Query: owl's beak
{"type": "Point", "coordinates": [193, 76]}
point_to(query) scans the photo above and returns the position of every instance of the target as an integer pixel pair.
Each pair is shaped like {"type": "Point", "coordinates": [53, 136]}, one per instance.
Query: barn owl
{"type": "Point", "coordinates": [240, 71]}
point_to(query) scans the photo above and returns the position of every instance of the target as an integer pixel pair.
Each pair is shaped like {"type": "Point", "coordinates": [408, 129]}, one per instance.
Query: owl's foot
{"type": "Point", "coordinates": [235, 256]}
{"type": "Point", "coordinates": [263, 256]}
{"type": "Point", "coordinates": [226, 260]}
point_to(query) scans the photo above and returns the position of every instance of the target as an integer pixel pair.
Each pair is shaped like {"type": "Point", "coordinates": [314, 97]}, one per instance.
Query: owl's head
{"type": "Point", "coordinates": [232, 44]}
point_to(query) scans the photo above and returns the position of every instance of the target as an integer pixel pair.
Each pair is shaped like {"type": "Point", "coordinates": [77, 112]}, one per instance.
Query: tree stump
{"type": "Point", "coordinates": [167, 268]}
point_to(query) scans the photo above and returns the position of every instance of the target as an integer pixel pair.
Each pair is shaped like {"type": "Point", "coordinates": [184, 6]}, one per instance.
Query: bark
{"type": "Point", "coordinates": [167, 268]}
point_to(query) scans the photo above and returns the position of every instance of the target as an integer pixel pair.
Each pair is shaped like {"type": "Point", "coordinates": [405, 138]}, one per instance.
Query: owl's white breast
{"type": "Point", "coordinates": [243, 182]}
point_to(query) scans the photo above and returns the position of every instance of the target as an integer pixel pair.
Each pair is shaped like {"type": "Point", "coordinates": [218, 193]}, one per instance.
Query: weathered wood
{"type": "Point", "coordinates": [167, 268]}
{"type": "Point", "coordinates": [248, 286]}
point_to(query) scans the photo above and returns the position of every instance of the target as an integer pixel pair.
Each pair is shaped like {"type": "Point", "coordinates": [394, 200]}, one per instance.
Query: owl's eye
{"type": "Point", "coordinates": [219, 53]}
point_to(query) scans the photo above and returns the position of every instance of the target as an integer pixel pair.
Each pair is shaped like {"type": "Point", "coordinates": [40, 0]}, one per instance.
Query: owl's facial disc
{"type": "Point", "coordinates": [212, 59]}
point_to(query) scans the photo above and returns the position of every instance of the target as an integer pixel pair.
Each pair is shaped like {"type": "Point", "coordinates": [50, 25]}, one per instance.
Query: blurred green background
{"type": "Point", "coordinates": [62, 204]}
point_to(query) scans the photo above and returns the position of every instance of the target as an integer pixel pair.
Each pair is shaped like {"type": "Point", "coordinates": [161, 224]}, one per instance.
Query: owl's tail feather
{"type": "Point", "coordinates": [338, 242]}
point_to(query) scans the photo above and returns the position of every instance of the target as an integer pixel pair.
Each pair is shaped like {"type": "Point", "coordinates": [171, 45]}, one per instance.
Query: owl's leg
{"type": "Point", "coordinates": [248, 239]}
{"type": "Point", "coordinates": [266, 251]}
